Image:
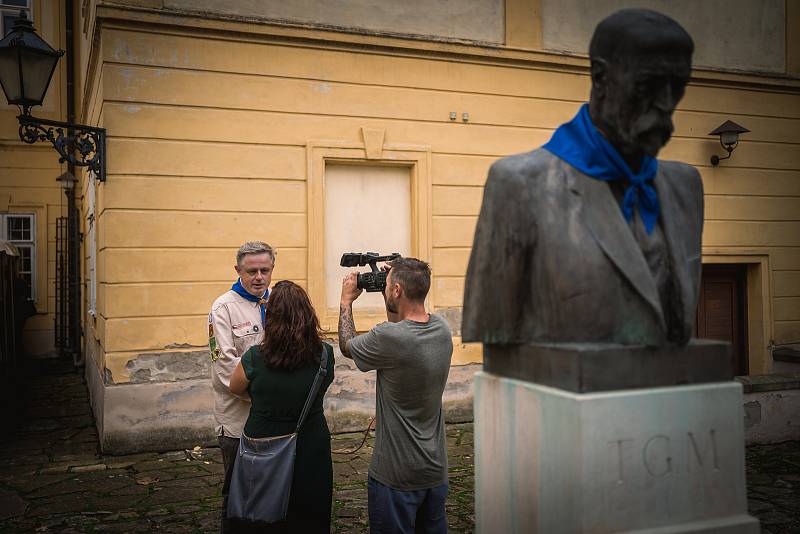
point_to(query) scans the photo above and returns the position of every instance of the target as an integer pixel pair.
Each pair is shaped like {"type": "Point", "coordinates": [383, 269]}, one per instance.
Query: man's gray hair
{"type": "Point", "coordinates": [255, 247]}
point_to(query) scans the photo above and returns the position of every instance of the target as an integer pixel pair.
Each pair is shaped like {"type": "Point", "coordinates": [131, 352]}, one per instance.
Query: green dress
{"type": "Point", "coordinates": [277, 398]}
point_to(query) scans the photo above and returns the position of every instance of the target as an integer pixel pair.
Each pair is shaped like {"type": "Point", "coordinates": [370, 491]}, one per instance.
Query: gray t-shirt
{"type": "Point", "coordinates": [413, 361]}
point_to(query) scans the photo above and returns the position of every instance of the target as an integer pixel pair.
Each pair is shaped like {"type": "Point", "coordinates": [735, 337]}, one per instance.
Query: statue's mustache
{"type": "Point", "coordinates": [653, 126]}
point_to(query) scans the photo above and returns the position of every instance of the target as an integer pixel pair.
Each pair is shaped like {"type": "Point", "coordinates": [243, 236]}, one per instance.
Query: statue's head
{"type": "Point", "coordinates": [640, 64]}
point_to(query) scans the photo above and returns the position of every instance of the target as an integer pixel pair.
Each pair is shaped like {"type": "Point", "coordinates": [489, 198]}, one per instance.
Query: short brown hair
{"type": "Point", "coordinates": [413, 275]}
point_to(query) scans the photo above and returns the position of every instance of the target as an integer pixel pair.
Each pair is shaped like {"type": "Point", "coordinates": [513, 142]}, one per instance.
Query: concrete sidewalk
{"type": "Point", "coordinates": [52, 478]}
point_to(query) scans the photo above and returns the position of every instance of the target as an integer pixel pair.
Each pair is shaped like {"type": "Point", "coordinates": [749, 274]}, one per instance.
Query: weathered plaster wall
{"type": "Point", "coordinates": [169, 366]}
{"type": "Point", "coordinates": [174, 409]}
{"type": "Point", "coordinates": [476, 20]}
{"type": "Point", "coordinates": [772, 416]}
{"type": "Point", "coordinates": [157, 416]}
{"type": "Point", "coordinates": [737, 35]}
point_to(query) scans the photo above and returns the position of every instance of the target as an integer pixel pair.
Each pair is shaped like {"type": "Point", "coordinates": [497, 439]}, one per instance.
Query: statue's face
{"type": "Point", "coordinates": [634, 99]}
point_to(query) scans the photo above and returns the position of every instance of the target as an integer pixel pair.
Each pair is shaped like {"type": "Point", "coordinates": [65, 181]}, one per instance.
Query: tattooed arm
{"type": "Point", "coordinates": [347, 327]}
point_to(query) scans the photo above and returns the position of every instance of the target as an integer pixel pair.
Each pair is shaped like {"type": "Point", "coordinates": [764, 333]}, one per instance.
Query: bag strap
{"type": "Point", "coordinates": [323, 371]}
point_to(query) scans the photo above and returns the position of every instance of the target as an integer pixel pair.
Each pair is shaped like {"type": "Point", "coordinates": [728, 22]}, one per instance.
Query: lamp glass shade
{"type": "Point", "coordinates": [67, 181]}
{"type": "Point", "coordinates": [37, 70]}
{"type": "Point", "coordinates": [27, 63]}
{"type": "Point", "coordinates": [9, 73]}
{"type": "Point", "coordinates": [729, 138]}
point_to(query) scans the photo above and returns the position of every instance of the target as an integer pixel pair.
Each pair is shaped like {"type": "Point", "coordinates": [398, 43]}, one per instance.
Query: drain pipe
{"type": "Point", "coordinates": [74, 260]}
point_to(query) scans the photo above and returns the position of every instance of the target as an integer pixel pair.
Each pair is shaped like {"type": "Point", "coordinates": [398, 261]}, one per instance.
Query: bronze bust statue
{"type": "Point", "coordinates": [590, 238]}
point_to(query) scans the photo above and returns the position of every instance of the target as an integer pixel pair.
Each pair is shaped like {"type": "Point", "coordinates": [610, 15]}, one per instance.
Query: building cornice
{"type": "Point", "coordinates": [163, 20]}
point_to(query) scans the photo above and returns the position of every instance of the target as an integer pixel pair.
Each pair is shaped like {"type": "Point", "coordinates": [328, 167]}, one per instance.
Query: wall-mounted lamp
{"type": "Point", "coordinates": [728, 133]}
{"type": "Point", "coordinates": [27, 64]}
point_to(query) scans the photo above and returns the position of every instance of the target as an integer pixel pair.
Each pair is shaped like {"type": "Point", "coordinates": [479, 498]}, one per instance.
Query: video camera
{"type": "Point", "coordinates": [374, 281]}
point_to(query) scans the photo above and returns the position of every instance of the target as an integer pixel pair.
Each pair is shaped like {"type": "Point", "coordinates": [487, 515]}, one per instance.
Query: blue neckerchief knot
{"type": "Point", "coordinates": [262, 300]}
{"type": "Point", "coordinates": [581, 145]}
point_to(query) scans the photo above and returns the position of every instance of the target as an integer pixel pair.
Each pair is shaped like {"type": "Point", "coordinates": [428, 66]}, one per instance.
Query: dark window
{"type": "Point", "coordinates": [8, 21]}
{"type": "Point", "coordinates": [9, 11]}
{"type": "Point", "coordinates": [19, 229]}
{"type": "Point", "coordinates": [26, 266]}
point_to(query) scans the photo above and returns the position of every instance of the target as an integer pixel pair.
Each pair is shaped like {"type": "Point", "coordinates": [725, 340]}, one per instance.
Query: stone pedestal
{"type": "Point", "coordinates": [664, 459]}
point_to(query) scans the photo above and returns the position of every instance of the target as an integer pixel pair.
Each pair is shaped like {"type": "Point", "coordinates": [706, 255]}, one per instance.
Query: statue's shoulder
{"type": "Point", "coordinates": [523, 168]}
{"type": "Point", "coordinates": [681, 175]}
{"type": "Point", "coordinates": [677, 170]}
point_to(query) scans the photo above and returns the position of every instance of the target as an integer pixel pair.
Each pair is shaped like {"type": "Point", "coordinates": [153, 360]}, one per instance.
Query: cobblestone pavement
{"type": "Point", "coordinates": [52, 478]}
{"type": "Point", "coordinates": [773, 486]}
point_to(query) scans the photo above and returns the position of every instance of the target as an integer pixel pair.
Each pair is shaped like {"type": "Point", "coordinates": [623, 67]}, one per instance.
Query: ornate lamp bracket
{"type": "Point", "coordinates": [78, 144]}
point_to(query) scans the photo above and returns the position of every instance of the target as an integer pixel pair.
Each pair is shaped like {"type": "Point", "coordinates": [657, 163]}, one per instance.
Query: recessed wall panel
{"type": "Point", "coordinates": [367, 209]}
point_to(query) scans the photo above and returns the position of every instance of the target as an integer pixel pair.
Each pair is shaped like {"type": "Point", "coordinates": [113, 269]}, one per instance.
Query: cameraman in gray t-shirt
{"type": "Point", "coordinates": [411, 353]}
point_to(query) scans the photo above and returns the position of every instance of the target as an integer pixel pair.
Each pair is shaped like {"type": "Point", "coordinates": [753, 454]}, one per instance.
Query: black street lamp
{"type": "Point", "coordinates": [27, 64]}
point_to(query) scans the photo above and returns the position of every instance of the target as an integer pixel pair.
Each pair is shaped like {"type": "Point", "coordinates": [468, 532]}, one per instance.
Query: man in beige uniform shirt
{"type": "Point", "coordinates": [235, 324]}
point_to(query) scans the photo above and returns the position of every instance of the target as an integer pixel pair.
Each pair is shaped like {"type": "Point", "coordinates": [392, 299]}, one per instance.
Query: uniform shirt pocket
{"type": "Point", "coordinates": [244, 338]}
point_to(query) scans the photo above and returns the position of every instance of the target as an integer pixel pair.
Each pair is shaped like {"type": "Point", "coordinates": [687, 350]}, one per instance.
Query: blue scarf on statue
{"type": "Point", "coordinates": [262, 300]}
{"type": "Point", "coordinates": [581, 145]}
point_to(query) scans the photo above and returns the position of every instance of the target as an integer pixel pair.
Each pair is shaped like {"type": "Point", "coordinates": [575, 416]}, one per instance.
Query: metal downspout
{"type": "Point", "coordinates": [74, 269]}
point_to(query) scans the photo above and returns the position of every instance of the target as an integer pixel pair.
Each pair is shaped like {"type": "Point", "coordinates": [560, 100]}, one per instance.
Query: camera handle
{"type": "Point", "coordinates": [373, 261]}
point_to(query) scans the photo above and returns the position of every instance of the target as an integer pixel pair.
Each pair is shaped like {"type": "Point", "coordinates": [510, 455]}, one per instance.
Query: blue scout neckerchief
{"type": "Point", "coordinates": [262, 300]}
{"type": "Point", "coordinates": [581, 145]}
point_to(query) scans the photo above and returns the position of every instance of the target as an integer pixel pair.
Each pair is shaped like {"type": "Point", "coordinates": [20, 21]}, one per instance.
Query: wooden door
{"type": "Point", "coordinates": [722, 309]}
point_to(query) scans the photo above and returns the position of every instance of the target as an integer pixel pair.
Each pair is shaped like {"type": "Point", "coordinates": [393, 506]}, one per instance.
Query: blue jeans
{"type": "Point", "coordinates": [394, 511]}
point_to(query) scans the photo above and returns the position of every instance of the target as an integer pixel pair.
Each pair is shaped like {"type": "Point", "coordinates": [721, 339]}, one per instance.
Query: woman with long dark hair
{"type": "Point", "coordinates": [278, 375]}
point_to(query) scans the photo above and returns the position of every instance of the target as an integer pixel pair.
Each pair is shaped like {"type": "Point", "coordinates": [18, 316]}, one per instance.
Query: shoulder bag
{"type": "Point", "coordinates": [261, 481]}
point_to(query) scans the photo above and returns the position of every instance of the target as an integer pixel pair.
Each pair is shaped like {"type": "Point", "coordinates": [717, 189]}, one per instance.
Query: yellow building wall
{"type": "Point", "coordinates": [28, 177]}
{"type": "Point", "coordinates": [209, 134]}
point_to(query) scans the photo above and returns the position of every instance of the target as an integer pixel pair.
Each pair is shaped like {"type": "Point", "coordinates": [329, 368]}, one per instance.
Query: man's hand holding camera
{"type": "Point", "coordinates": [350, 289]}
{"type": "Point", "coordinates": [354, 284]}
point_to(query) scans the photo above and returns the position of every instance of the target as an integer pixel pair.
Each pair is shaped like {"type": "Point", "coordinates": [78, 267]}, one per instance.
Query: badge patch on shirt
{"type": "Point", "coordinates": [212, 343]}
